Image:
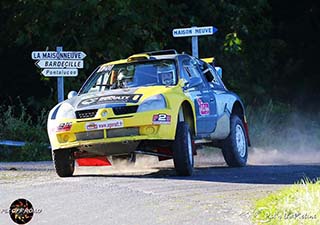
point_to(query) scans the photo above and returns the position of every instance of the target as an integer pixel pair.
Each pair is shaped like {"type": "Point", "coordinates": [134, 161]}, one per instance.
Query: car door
{"type": "Point", "coordinates": [219, 90]}
{"type": "Point", "coordinates": [201, 95]}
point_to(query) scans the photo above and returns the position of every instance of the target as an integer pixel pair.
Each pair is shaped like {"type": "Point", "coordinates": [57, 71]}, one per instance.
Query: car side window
{"type": "Point", "coordinates": [212, 74]}
{"type": "Point", "coordinates": [216, 81]}
{"type": "Point", "coordinates": [207, 72]}
{"type": "Point", "coordinates": [190, 69]}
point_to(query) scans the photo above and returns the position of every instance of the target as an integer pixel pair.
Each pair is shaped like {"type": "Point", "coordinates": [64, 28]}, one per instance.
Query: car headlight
{"type": "Point", "coordinates": [66, 111]}
{"type": "Point", "coordinates": [152, 103]}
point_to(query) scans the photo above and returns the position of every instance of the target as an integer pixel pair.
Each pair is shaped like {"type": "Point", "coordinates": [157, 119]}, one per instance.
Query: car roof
{"type": "Point", "coordinates": [170, 54]}
{"type": "Point", "coordinates": [154, 55]}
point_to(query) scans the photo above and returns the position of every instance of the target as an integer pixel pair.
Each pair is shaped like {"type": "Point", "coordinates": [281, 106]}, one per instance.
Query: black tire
{"type": "Point", "coordinates": [63, 162]}
{"type": "Point", "coordinates": [183, 150]}
{"type": "Point", "coordinates": [235, 146]}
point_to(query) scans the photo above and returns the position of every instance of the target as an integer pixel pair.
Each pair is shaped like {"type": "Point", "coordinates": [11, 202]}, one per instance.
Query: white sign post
{"type": "Point", "coordinates": [59, 64]}
{"type": "Point", "coordinates": [194, 32]}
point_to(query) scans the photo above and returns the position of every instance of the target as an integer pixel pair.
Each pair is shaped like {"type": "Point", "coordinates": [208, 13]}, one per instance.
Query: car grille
{"type": "Point", "coordinates": [84, 114]}
{"type": "Point", "coordinates": [99, 134]}
{"type": "Point", "coordinates": [125, 109]}
{"type": "Point", "coordinates": [123, 132]}
{"type": "Point", "coordinates": [90, 135]}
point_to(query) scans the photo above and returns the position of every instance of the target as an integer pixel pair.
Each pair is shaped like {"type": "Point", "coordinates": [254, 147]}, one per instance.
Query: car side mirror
{"type": "Point", "coordinates": [72, 94]}
{"type": "Point", "coordinates": [194, 81]}
{"type": "Point", "coordinates": [219, 71]}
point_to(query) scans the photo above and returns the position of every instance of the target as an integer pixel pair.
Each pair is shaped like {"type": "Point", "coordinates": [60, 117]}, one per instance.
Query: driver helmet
{"type": "Point", "coordinates": [124, 77]}
{"type": "Point", "coordinates": [166, 74]}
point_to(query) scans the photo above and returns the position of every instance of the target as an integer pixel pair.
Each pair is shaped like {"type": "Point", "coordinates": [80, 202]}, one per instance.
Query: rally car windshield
{"type": "Point", "coordinates": [137, 74]}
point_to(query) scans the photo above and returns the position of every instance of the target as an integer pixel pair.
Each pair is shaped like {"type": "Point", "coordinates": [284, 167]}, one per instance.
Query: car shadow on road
{"type": "Point", "coordinates": [252, 174]}
{"type": "Point", "coordinates": [258, 174]}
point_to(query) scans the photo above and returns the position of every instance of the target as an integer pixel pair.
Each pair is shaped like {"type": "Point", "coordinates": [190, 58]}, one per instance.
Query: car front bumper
{"type": "Point", "coordinates": [105, 134]}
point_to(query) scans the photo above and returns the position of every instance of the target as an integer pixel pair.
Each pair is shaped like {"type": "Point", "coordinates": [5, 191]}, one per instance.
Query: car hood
{"type": "Point", "coordinates": [113, 98]}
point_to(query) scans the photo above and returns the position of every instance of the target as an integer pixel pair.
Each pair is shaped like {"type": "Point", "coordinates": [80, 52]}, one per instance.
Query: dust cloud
{"type": "Point", "coordinates": [206, 158]}
{"type": "Point", "coordinates": [260, 156]}
{"type": "Point", "coordinates": [290, 139]}
{"type": "Point", "coordinates": [143, 165]}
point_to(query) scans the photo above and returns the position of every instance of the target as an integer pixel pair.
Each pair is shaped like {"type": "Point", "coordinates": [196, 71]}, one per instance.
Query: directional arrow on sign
{"type": "Point", "coordinates": [67, 55]}
{"type": "Point", "coordinates": [59, 64]}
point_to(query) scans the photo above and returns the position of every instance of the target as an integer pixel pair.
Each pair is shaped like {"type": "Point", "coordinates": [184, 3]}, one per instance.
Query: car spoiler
{"type": "Point", "coordinates": [208, 60]}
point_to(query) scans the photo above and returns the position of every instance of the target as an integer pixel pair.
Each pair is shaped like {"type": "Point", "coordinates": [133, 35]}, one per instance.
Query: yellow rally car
{"type": "Point", "coordinates": [158, 103]}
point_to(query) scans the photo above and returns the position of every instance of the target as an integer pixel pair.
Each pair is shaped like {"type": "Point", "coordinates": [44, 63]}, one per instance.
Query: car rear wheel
{"type": "Point", "coordinates": [64, 162]}
{"type": "Point", "coordinates": [235, 146]}
{"type": "Point", "coordinates": [183, 150]}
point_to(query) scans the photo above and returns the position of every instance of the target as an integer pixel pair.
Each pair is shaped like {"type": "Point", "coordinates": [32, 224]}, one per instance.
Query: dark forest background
{"type": "Point", "coordinates": [267, 49]}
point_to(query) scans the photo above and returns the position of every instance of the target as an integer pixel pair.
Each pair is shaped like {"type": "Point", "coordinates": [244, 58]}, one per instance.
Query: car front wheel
{"type": "Point", "coordinates": [235, 146]}
{"type": "Point", "coordinates": [63, 162]}
{"type": "Point", "coordinates": [183, 150]}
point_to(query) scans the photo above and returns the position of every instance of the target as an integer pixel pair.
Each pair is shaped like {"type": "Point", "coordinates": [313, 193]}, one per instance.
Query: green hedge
{"type": "Point", "coordinates": [16, 124]}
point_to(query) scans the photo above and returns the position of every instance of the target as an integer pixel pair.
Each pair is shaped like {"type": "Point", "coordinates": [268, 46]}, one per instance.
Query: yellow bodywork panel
{"type": "Point", "coordinates": [106, 127]}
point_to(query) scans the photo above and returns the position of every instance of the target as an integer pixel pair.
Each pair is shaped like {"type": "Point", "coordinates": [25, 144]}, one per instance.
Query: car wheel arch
{"type": "Point", "coordinates": [187, 114]}
{"type": "Point", "coordinates": [238, 109]}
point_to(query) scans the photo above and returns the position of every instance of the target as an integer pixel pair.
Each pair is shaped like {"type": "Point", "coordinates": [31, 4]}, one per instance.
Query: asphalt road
{"type": "Point", "coordinates": [148, 193]}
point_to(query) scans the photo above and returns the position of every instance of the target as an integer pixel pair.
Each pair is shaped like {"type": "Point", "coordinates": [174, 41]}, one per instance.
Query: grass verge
{"type": "Point", "coordinates": [298, 204]}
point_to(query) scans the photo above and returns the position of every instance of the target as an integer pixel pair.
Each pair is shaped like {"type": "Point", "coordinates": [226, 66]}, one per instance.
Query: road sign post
{"type": "Point", "coordinates": [194, 44]}
{"type": "Point", "coordinates": [59, 64]}
{"type": "Point", "coordinates": [194, 32]}
{"type": "Point", "coordinates": [60, 81]}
